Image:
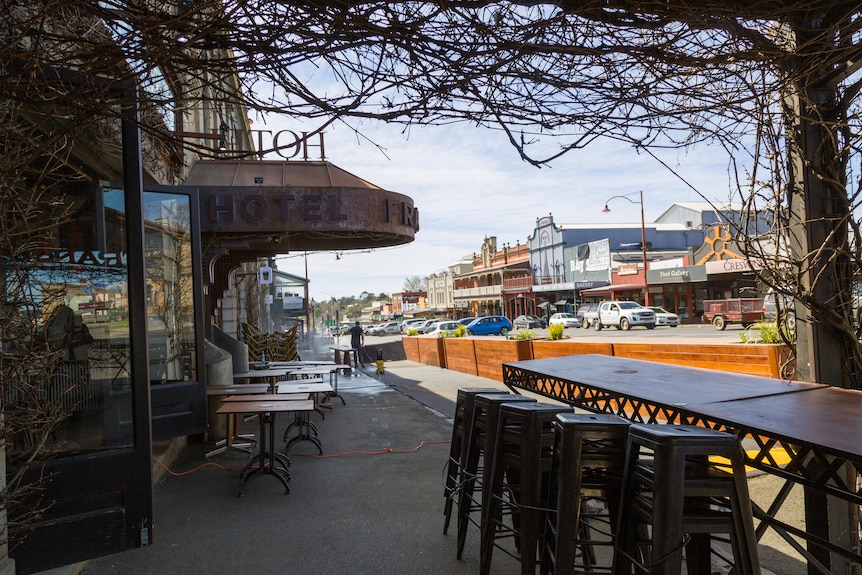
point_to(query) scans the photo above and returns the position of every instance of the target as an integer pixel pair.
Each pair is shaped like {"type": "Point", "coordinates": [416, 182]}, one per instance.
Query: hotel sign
{"type": "Point", "coordinates": [311, 217]}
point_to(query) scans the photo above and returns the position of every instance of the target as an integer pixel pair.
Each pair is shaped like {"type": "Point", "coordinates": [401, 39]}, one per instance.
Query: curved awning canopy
{"type": "Point", "coordinates": [251, 209]}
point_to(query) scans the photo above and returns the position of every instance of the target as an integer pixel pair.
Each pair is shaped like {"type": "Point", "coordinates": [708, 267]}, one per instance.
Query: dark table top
{"type": "Point", "coordinates": [658, 383]}
{"type": "Point", "coordinates": [827, 417]}
{"type": "Point", "coordinates": [806, 413]}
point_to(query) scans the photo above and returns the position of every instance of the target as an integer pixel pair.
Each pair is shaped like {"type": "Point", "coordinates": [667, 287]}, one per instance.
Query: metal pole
{"type": "Point", "coordinates": [643, 250]}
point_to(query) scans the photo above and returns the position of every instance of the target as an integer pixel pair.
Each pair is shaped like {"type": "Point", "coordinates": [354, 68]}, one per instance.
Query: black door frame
{"type": "Point", "coordinates": [102, 503]}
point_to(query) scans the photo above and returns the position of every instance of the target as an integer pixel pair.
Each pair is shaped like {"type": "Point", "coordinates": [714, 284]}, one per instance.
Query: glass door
{"type": "Point", "coordinates": [174, 299]}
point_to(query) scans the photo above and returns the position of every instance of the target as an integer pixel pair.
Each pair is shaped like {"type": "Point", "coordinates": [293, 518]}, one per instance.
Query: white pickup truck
{"type": "Point", "coordinates": [623, 315]}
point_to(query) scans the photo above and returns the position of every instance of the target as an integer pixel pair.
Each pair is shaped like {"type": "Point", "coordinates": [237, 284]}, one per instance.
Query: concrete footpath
{"type": "Point", "coordinates": [372, 504]}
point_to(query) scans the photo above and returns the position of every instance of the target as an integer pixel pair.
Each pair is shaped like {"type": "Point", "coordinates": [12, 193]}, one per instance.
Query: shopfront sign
{"type": "Point", "coordinates": [589, 285]}
{"type": "Point", "coordinates": [733, 266]}
{"type": "Point", "coordinates": [679, 275]}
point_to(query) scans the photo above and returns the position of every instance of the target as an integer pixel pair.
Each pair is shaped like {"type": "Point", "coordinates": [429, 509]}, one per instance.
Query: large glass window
{"type": "Point", "coordinates": [66, 357]}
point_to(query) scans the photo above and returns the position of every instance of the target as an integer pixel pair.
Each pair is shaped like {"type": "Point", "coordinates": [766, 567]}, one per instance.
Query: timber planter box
{"type": "Point", "coordinates": [431, 351]}
{"type": "Point", "coordinates": [460, 355]}
{"type": "Point", "coordinates": [485, 356]}
{"type": "Point", "coordinates": [545, 348]}
{"type": "Point", "coordinates": [763, 359]}
{"type": "Point", "coordinates": [411, 348]}
{"type": "Point", "coordinates": [492, 353]}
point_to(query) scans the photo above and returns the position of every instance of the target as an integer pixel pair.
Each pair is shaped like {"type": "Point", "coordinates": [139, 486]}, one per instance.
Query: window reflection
{"type": "Point", "coordinates": [65, 353]}
{"type": "Point", "coordinates": [170, 301]}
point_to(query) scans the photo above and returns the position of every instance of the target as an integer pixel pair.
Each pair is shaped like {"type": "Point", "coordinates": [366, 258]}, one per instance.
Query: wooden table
{"type": "Point", "coordinates": [253, 388]}
{"type": "Point", "coordinates": [270, 374]}
{"type": "Point", "coordinates": [818, 426]}
{"type": "Point", "coordinates": [319, 370]}
{"type": "Point", "coordinates": [232, 438]}
{"type": "Point", "coordinates": [269, 462]}
{"type": "Point", "coordinates": [307, 430]}
{"type": "Point", "coordinates": [346, 349]}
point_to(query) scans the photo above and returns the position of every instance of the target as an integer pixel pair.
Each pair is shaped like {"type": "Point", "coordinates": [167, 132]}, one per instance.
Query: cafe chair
{"type": "Point", "coordinates": [514, 497]}
{"type": "Point", "coordinates": [584, 493]}
{"type": "Point", "coordinates": [477, 459]}
{"type": "Point", "coordinates": [674, 498]}
{"type": "Point", "coordinates": [457, 452]}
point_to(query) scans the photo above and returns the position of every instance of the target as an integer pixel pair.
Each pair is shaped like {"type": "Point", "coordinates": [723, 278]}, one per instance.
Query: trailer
{"type": "Point", "coordinates": [720, 312]}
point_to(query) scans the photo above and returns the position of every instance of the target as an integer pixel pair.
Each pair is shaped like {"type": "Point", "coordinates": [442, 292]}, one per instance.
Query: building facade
{"type": "Point", "coordinates": [479, 290]}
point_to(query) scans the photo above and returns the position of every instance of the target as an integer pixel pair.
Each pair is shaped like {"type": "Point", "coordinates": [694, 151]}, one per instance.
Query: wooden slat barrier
{"type": "Point", "coordinates": [734, 358]}
{"type": "Point", "coordinates": [484, 356]}
{"type": "Point", "coordinates": [545, 348]}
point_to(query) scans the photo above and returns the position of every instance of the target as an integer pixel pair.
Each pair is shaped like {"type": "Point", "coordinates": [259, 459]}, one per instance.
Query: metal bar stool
{"type": "Point", "coordinates": [516, 485]}
{"type": "Point", "coordinates": [684, 498]}
{"type": "Point", "coordinates": [588, 460]}
{"type": "Point", "coordinates": [486, 410]}
{"type": "Point", "coordinates": [457, 452]}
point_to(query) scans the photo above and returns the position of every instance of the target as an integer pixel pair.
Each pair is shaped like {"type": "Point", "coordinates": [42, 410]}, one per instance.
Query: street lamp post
{"type": "Point", "coordinates": [643, 236]}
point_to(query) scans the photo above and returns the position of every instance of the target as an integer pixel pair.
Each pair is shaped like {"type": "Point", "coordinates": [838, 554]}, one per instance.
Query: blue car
{"type": "Point", "coordinates": [489, 325]}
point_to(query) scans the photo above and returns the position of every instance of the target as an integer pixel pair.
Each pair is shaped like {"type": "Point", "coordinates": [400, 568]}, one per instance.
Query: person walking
{"type": "Point", "coordinates": [357, 341]}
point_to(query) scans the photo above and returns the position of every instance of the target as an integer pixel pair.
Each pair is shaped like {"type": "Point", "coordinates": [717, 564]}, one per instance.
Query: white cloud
{"type": "Point", "coordinates": [469, 183]}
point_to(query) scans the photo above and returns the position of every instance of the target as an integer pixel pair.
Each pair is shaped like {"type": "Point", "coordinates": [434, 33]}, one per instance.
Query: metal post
{"type": "Point", "coordinates": [643, 249]}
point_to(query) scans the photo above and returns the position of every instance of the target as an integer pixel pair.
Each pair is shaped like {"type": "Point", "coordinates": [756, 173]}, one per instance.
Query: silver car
{"type": "Point", "coordinates": [564, 319]}
{"type": "Point", "coordinates": [664, 317]}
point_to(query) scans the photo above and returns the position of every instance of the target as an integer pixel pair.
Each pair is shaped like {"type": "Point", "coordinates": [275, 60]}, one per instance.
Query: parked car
{"type": "Point", "coordinates": [424, 327]}
{"type": "Point", "coordinates": [528, 322]}
{"type": "Point", "coordinates": [409, 324]}
{"type": "Point", "coordinates": [466, 320]}
{"type": "Point", "coordinates": [489, 325]}
{"type": "Point", "coordinates": [388, 328]}
{"type": "Point", "coordinates": [442, 326]}
{"type": "Point", "coordinates": [623, 315]}
{"type": "Point", "coordinates": [587, 314]}
{"type": "Point", "coordinates": [664, 317]}
{"type": "Point", "coordinates": [565, 320]}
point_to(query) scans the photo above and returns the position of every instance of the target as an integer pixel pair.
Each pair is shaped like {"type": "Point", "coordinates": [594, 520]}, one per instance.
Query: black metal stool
{"type": "Point", "coordinates": [519, 467]}
{"type": "Point", "coordinates": [588, 461]}
{"type": "Point", "coordinates": [684, 498]}
{"type": "Point", "coordinates": [457, 453]}
{"type": "Point", "coordinates": [486, 411]}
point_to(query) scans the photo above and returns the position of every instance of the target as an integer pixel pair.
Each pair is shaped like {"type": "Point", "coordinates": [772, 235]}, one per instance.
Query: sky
{"type": "Point", "coordinates": [470, 183]}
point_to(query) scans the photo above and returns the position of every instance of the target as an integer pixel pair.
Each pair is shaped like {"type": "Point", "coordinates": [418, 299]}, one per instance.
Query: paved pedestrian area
{"type": "Point", "coordinates": [372, 504]}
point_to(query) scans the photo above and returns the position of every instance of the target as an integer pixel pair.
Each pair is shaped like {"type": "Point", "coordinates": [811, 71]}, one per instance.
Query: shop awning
{"type": "Point", "coordinates": [280, 207]}
{"type": "Point", "coordinates": [251, 209]}
{"type": "Point", "coordinates": [543, 304]}
{"type": "Point", "coordinates": [612, 289]}
{"type": "Point", "coordinates": [561, 302]}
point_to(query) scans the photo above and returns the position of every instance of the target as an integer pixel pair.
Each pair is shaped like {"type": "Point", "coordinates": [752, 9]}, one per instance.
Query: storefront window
{"type": "Point", "coordinates": [66, 341]}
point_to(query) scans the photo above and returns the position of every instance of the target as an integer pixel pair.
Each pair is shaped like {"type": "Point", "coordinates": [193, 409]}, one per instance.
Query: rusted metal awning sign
{"type": "Point", "coordinates": [289, 206]}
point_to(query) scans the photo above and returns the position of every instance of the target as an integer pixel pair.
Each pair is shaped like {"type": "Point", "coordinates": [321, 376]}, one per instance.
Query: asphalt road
{"type": "Point", "coordinates": [690, 333]}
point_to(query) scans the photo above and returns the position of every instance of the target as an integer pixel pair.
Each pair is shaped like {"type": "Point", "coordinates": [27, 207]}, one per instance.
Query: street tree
{"type": "Point", "coordinates": [773, 85]}
{"type": "Point", "coordinates": [413, 284]}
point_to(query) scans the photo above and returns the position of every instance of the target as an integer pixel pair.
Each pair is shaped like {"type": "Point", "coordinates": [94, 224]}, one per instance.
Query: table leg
{"type": "Point", "coordinates": [333, 378]}
{"type": "Point", "coordinates": [268, 463]}
{"type": "Point", "coordinates": [228, 442]}
{"type": "Point", "coordinates": [305, 427]}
